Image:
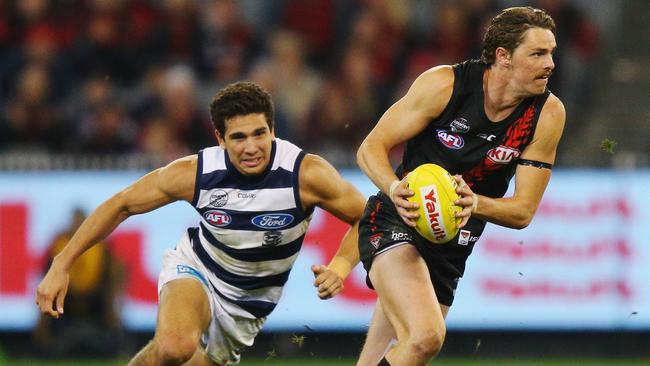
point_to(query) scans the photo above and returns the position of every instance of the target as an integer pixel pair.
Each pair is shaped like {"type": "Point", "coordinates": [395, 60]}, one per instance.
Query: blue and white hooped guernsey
{"type": "Point", "coordinates": [251, 228]}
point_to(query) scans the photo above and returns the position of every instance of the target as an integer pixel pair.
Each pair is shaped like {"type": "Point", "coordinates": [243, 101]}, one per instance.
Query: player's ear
{"type": "Point", "coordinates": [503, 57]}
{"type": "Point", "coordinates": [220, 139]}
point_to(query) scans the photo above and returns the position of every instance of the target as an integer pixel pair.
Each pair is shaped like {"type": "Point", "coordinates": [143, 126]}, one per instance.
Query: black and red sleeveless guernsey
{"type": "Point", "coordinates": [463, 141]}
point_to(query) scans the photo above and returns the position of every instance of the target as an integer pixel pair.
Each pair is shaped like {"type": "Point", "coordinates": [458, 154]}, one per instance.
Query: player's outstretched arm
{"type": "Point", "coordinates": [160, 187]}
{"type": "Point", "coordinates": [426, 99]}
{"type": "Point", "coordinates": [321, 185]}
{"type": "Point", "coordinates": [530, 181]}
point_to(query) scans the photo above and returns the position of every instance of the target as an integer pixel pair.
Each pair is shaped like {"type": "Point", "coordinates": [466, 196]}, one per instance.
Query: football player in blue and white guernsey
{"type": "Point", "coordinates": [255, 194]}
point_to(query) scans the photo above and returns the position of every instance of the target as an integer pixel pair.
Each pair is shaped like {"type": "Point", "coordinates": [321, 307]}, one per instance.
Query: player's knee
{"type": "Point", "coordinates": [427, 342]}
{"type": "Point", "coordinates": [175, 347]}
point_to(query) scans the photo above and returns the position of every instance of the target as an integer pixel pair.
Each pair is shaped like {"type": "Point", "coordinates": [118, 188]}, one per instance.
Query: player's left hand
{"type": "Point", "coordinates": [467, 200]}
{"type": "Point", "coordinates": [328, 282]}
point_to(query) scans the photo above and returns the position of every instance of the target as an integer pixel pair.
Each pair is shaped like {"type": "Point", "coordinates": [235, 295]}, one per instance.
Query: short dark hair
{"type": "Point", "coordinates": [240, 99]}
{"type": "Point", "coordinates": [508, 27]}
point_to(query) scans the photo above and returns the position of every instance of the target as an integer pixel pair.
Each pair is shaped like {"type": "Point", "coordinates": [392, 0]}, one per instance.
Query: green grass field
{"type": "Point", "coordinates": [341, 362]}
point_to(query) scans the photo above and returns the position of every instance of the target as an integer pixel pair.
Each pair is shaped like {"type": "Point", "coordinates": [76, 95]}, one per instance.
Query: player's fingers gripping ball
{"type": "Point", "coordinates": [435, 193]}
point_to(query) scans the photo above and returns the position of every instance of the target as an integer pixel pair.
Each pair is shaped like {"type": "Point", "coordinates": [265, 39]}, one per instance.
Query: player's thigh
{"type": "Point", "coordinates": [445, 310]}
{"type": "Point", "coordinates": [183, 308]}
{"type": "Point", "coordinates": [407, 296]}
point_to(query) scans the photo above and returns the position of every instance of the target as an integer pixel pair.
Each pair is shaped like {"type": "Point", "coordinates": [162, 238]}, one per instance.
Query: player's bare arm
{"type": "Point", "coordinates": [158, 188]}
{"type": "Point", "coordinates": [426, 99]}
{"type": "Point", "coordinates": [530, 181]}
{"type": "Point", "coordinates": [321, 185]}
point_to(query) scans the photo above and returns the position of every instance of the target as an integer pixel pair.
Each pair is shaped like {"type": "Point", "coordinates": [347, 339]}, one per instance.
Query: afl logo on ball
{"type": "Point", "coordinates": [217, 218]}
{"type": "Point", "coordinates": [450, 140]}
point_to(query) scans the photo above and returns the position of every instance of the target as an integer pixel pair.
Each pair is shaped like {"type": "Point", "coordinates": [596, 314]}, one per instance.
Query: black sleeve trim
{"type": "Point", "coordinates": [535, 163]}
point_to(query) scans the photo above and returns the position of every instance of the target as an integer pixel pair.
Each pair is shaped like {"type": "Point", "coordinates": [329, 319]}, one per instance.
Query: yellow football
{"type": "Point", "coordinates": [435, 192]}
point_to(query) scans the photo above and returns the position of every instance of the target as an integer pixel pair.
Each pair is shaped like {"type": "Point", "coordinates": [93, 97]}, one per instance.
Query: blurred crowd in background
{"type": "Point", "coordinates": [96, 77]}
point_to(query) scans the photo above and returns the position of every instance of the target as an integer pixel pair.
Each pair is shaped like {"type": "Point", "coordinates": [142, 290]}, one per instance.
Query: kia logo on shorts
{"type": "Point", "coordinates": [272, 221]}
{"type": "Point", "coordinates": [450, 140]}
{"type": "Point", "coordinates": [217, 218]}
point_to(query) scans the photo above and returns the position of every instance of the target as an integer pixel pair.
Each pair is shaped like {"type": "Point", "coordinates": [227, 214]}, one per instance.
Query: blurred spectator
{"type": "Point", "coordinates": [7, 28]}
{"type": "Point", "coordinates": [145, 98]}
{"type": "Point", "coordinates": [227, 40]}
{"type": "Point", "coordinates": [171, 96]}
{"type": "Point", "coordinates": [380, 30]}
{"type": "Point", "coordinates": [187, 120]}
{"type": "Point", "coordinates": [262, 74]}
{"type": "Point", "coordinates": [100, 50]}
{"type": "Point", "coordinates": [178, 36]}
{"type": "Point", "coordinates": [346, 110]}
{"type": "Point", "coordinates": [30, 120]}
{"type": "Point", "coordinates": [91, 326]}
{"type": "Point", "coordinates": [159, 141]}
{"type": "Point", "coordinates": [451, 38]}
{"type": "Point", "coordinates": [82, 105]}
{"type": "Point", "coordinates": [578, 38]}
{"type": "Point", "coordinates": [108, 130]}
{"type": "Point", "coordinates": [38, 35]}
{"type": "Point", "coordinates": [478, 13]}
{"type": "Point", "coordinates": [295, 84]}
{"type": "Point", "coordinates": [315, 21]}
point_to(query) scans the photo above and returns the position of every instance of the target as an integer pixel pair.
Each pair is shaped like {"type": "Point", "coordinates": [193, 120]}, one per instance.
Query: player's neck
{"type": "Point", "coordinates": [499, 97]}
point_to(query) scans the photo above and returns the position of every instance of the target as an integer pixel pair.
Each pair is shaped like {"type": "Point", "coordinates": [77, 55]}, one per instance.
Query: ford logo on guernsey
{"type": "Point", "coordinates": [272, 221]}
{"type": "Point", "coordinates": [450, 140]}
{"type": "Point", "coordinates": [217, 218]}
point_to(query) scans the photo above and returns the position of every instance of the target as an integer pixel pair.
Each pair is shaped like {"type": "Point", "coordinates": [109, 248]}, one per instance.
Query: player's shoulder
{"type": "Point", "coordinates": [318, 177]}
{"type": "Point", "coordinates": [441, 76]}
{"type": "Point", "coordinates": [185, 163]}
{"type": "Point", "coordinates": [553, 103]}
{"type": "Point", "coordinates": [314, 166]}
{"type": "Point", "coordinates": [179, 177]}
{"type": "Point", "coordinates": [431, 91]}
{"type": "Point", "coordinates": [551, 119]}
{"type": "Point", "coordinates": [553, 110]}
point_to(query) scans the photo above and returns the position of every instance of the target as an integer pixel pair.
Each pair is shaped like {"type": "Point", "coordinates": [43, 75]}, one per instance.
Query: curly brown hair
{"type": "Point", "coordinates": [240, 99]}
{"type": "Point", "coordinates": [508, 27]}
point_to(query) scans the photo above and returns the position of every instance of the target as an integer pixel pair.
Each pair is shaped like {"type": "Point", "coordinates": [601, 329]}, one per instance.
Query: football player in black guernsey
{"type": "Point", "coordinates": [484, 121]}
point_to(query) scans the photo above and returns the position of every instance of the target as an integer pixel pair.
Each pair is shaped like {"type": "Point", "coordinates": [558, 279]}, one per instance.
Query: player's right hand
{"type": "Point", "coordinates": [406, 209]}
{"type": "Point", "coordinates": [51, 292]}
{"type": "Point", "coordinates": [328, 282]}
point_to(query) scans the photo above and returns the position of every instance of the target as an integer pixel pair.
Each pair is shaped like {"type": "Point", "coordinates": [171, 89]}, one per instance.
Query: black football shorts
{"type": "Point", "coordinates": [381, 228]}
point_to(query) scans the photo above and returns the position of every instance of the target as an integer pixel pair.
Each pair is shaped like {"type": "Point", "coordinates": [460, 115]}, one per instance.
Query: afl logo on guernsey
{"type": "Point", "coordinates": [272, 221]}
{"type": "Point", "coordinates": [450, 140]}
{"type": "Point", "coordinates": [217, 218]}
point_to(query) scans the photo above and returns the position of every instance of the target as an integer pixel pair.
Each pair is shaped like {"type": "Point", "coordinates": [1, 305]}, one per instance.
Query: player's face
{"type": "Point", "coordinates": [532, 61]}
{"type": "Point", "coordinates": [248, 141]}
